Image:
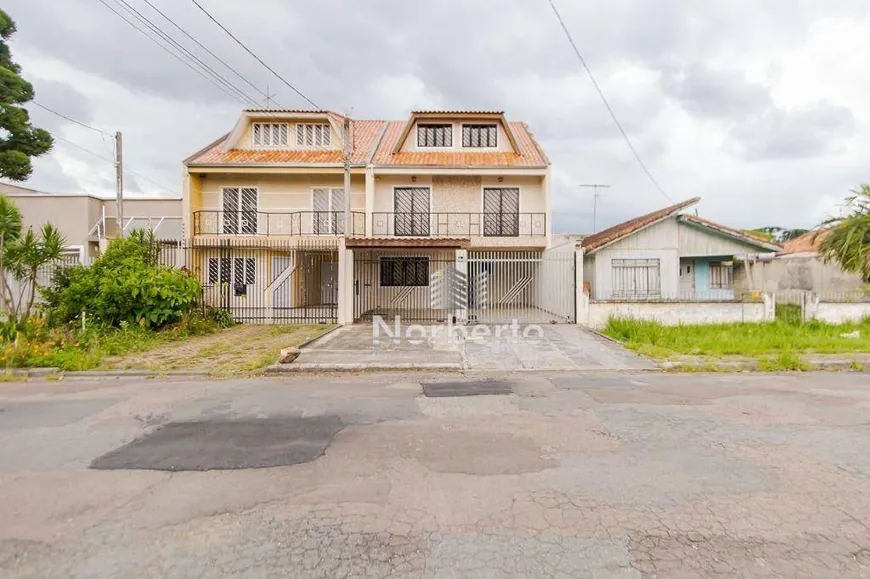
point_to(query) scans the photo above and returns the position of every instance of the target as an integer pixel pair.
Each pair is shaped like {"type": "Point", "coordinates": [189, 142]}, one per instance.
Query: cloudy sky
{"type": "Point", "coordinates": [760, 108]}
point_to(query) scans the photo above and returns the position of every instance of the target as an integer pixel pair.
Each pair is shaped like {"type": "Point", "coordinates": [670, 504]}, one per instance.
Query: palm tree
{"type": "Point", "coordinates": [848, 238]}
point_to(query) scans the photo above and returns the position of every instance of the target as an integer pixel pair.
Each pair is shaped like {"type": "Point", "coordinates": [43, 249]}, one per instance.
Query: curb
{"type": "Point", "coordinates": [378, 366]}
{"type": "Point", "coordinates": [310, 341]}
{"type": "Point", "coordinates": [752, 366]}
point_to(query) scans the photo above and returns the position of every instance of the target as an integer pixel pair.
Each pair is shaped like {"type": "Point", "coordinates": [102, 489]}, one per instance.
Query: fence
{"type": "Point", "coordinates": [835, 307]}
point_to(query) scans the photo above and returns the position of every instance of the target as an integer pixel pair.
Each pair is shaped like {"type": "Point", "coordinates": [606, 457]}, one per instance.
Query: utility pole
{"type": "Point", "coordinates": [595, 195]}
{"type": "Point", "coordinates": [119, 183]}
{"type": "Point", "coordinates": [346, 142]}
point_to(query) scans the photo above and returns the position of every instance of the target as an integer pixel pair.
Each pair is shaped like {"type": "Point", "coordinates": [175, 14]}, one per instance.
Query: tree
{"type": "Point", "coordinates": [848, 239]}
{"type": "Point", "coordinates": [22, 257]}
{"type": "Point", "coordinates": [19, 140]}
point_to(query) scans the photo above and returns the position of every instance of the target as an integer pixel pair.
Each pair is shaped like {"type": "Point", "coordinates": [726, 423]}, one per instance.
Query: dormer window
{"type": "Point", "coordinates": [435, 135]}
{"type": "Point", "coordinates": [271, 134]}
{"type": "Point", "coordinates": [479, 136]}
{"type": "Point", "coordinates": [313, 135]}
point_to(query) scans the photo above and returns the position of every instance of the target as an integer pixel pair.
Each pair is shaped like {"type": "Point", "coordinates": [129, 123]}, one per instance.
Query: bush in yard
{"type": "Point", "coordinates": [125, 285]}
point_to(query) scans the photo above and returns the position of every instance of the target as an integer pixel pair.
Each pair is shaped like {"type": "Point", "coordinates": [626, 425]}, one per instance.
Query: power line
{"type": "Point", "coordinates": [112, 161]}
{"type": "Point", "coordinates": [173, 54]}
{"type": "Point", "coordinates": [249, 51]}
{"type": "Point", "coordinates": [81, 124]}
{"type": "Point", "coordinates": [216, 57]}
{"type": "Point", "coordinates": [606, 104]}
{"type": "Point", "coordinates": [184, 51]}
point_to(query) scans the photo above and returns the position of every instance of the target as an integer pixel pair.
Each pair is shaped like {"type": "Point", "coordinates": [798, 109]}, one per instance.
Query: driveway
{"type": "Point", "coordinates": [480, 347]}
{"type": "Point", "coordinates": [412, 476]}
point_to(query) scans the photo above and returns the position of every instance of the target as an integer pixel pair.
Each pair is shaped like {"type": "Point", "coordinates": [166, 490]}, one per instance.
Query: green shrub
{"type": "Point", "coordinates": [125, 285]}
{"type": "Point", "coordinates": [222, 318]}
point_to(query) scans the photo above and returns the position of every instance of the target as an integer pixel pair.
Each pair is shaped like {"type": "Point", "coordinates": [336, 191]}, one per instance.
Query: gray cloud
{"type": "Point", "coordinates": [672, 70]}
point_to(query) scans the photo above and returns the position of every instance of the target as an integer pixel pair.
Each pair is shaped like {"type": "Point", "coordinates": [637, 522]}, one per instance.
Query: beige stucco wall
{"type": "Point", "coordinates": [280, 193]}
{"type": "Point", "coordinates": [410, 144]}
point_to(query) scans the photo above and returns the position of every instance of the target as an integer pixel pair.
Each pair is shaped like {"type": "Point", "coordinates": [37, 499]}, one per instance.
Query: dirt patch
{"type": "Point", "coordinates": [243, 348]}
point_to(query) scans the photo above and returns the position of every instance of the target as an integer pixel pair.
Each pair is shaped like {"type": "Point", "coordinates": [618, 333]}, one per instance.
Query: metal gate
{"type": "Point", "coordinates": [401, 283]}
{"type": "Point", "coordinates": [527, 286]}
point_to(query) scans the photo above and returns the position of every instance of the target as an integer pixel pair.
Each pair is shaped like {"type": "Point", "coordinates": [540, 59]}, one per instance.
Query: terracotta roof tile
{"type": "Point", "coordinates": [530, 154]}
{"type": "Point", "coordinates": [806, 243]}
{"type": "Point", "coordinates": [364, 133]}
{"type": "Point", "coordinates": [731, 231]}
{"type": "Point", "coordinates": [402, 242]}
{"type": "Point", "coordinates": [620, 230]}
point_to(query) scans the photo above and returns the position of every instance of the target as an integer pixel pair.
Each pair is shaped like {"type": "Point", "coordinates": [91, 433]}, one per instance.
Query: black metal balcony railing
{"type": "Point", "coordinates": [458, 224]}
{"type": "Point", "coordinates": [267, 223]}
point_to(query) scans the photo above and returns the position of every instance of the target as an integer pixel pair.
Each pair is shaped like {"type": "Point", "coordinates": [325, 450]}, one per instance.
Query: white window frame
{"type": "Point", "coordinates": [259, 129]}
{"type": "Point", "coordinates": [239, 211]}
{"type": "Point", "coordinates": [654, 264]}
{"type": "Point", "coordinates": [452, 127]}
{"type": "Point", "coordinates": [462, 135]}
{"type": "Point", "coordinates": [325, 130]}
{"type": "Point", "coordinates": [334, 221]}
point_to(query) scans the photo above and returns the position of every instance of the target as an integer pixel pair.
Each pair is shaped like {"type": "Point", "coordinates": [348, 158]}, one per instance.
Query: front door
{"type": "Point", "coordinates": [687, 279]}
{"type": "Point", "coordinates": [329, 283]}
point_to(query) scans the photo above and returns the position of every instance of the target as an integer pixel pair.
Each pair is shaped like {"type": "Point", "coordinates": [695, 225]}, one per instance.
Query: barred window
{"type": "Point", "coordinates": [313, 134]}
{"type": "Point", "coordinates": [435, 135]}
{"type": "Point", "coordinates": [404, 271]}
{"type": "Point", "coordinates": [636, 278]}
{"type": "Point", "coordinates": [240, 272]}
{"type": "Point", "coordinates": [721, 275]}
{"type": "Point", "coordinates": [479, 136]}
{"type": "Point", "coordinates": [271, 134]}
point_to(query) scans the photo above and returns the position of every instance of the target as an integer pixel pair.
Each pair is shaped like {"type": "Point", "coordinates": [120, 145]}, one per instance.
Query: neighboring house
{"type": "Point", "coordinates": [800, 267]}
{"type": "Point", "coordinates": [87, 222]}
{"type": "Point", "coordinates": [668, 255]}
{"type": "Point", "coordinates": [436, 193]}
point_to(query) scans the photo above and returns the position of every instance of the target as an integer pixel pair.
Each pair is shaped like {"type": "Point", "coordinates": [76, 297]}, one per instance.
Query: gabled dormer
{"type": "Point", "coordinates": [286, 130]}
{"type": "Point", "coordinates": [457, 131]}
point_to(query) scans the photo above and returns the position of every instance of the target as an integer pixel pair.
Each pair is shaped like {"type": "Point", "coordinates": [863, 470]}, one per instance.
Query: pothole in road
{"type": "Point", "coordinates": [226, 444]}
{"type": "Point", "coordinates": [476, 387]}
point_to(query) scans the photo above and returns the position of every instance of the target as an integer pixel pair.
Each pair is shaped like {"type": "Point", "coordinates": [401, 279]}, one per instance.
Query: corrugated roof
{"type": "Point", "coordinates": [530, 154]}
{"type": "Point", "coordinates": [620, 230]}
{"type": "Point", "coordinates": [742, 235]}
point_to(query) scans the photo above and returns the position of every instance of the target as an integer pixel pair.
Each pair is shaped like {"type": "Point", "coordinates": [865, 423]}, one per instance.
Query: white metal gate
{"type": "Point", "coordinates": [527, 286]}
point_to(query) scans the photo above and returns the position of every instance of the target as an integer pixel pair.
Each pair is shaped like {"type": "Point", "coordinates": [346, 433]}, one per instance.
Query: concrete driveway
{"type": "Point", "coordinates": [480, 347]}
{"type": "Point", "coordinates": [527, 475]}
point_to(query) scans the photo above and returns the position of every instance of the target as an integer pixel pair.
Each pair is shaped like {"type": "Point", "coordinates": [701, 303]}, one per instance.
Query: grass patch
{"type": "Point", "coordinates": [71, 348]}
{"type": "Point", "coordinates": [786, 361]}
{"type": "Point", "coordinates": [243, 348]}
{"type": "Point", "coordinates": [778, 338]}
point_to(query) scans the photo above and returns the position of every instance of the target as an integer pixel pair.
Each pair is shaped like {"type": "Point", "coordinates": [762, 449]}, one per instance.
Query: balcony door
{"type": "Point", "coordinates": [328, 204]}
{"type": "Point", "coordinates": [501, 212]}
{"type": "Point", "coordinates": [239, 211]}
{"type": "Point", "coordinates": [411, 211]}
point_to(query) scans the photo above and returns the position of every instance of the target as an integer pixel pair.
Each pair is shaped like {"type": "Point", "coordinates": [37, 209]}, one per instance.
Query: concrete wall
{"type": "Point", "coordinates": [801, 271]}
{"type": "Point", "coordinates": [838, 313]}
{"type": "Point", "coordinates": [596, 314]}
{"type": "Point", "coordinates": [73, 215]}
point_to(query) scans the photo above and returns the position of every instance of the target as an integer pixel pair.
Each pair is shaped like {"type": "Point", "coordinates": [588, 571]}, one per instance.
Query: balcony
{"type": "Point", "coordinates": [285, 223]}
{"type": "Point", "coordinates": [459, 224]}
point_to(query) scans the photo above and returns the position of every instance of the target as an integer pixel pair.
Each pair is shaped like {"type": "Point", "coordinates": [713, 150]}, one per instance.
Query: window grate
{"type": "Point", "coordinates": [313, 135]}
{"type": "Point", "coordinates": [271, 134]}
{"type": "Point", "coordinates": [479, 136]}
{"type": "Point", "coordinates": [435, 135]}
{"type": "Point", "coordinates": [404, 271]}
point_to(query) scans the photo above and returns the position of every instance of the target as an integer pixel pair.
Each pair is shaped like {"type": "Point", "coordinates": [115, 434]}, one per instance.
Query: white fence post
{"type": "Point", "coordinates": [581, 300]}
{"type": "Point", "coordinates": [769, 300]}
{"type": "Point", "coordinates": [345, 284]}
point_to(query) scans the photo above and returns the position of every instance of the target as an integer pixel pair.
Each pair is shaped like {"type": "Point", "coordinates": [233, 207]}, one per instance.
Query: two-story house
{"type": "Point", "coordinates": [444, 202]}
